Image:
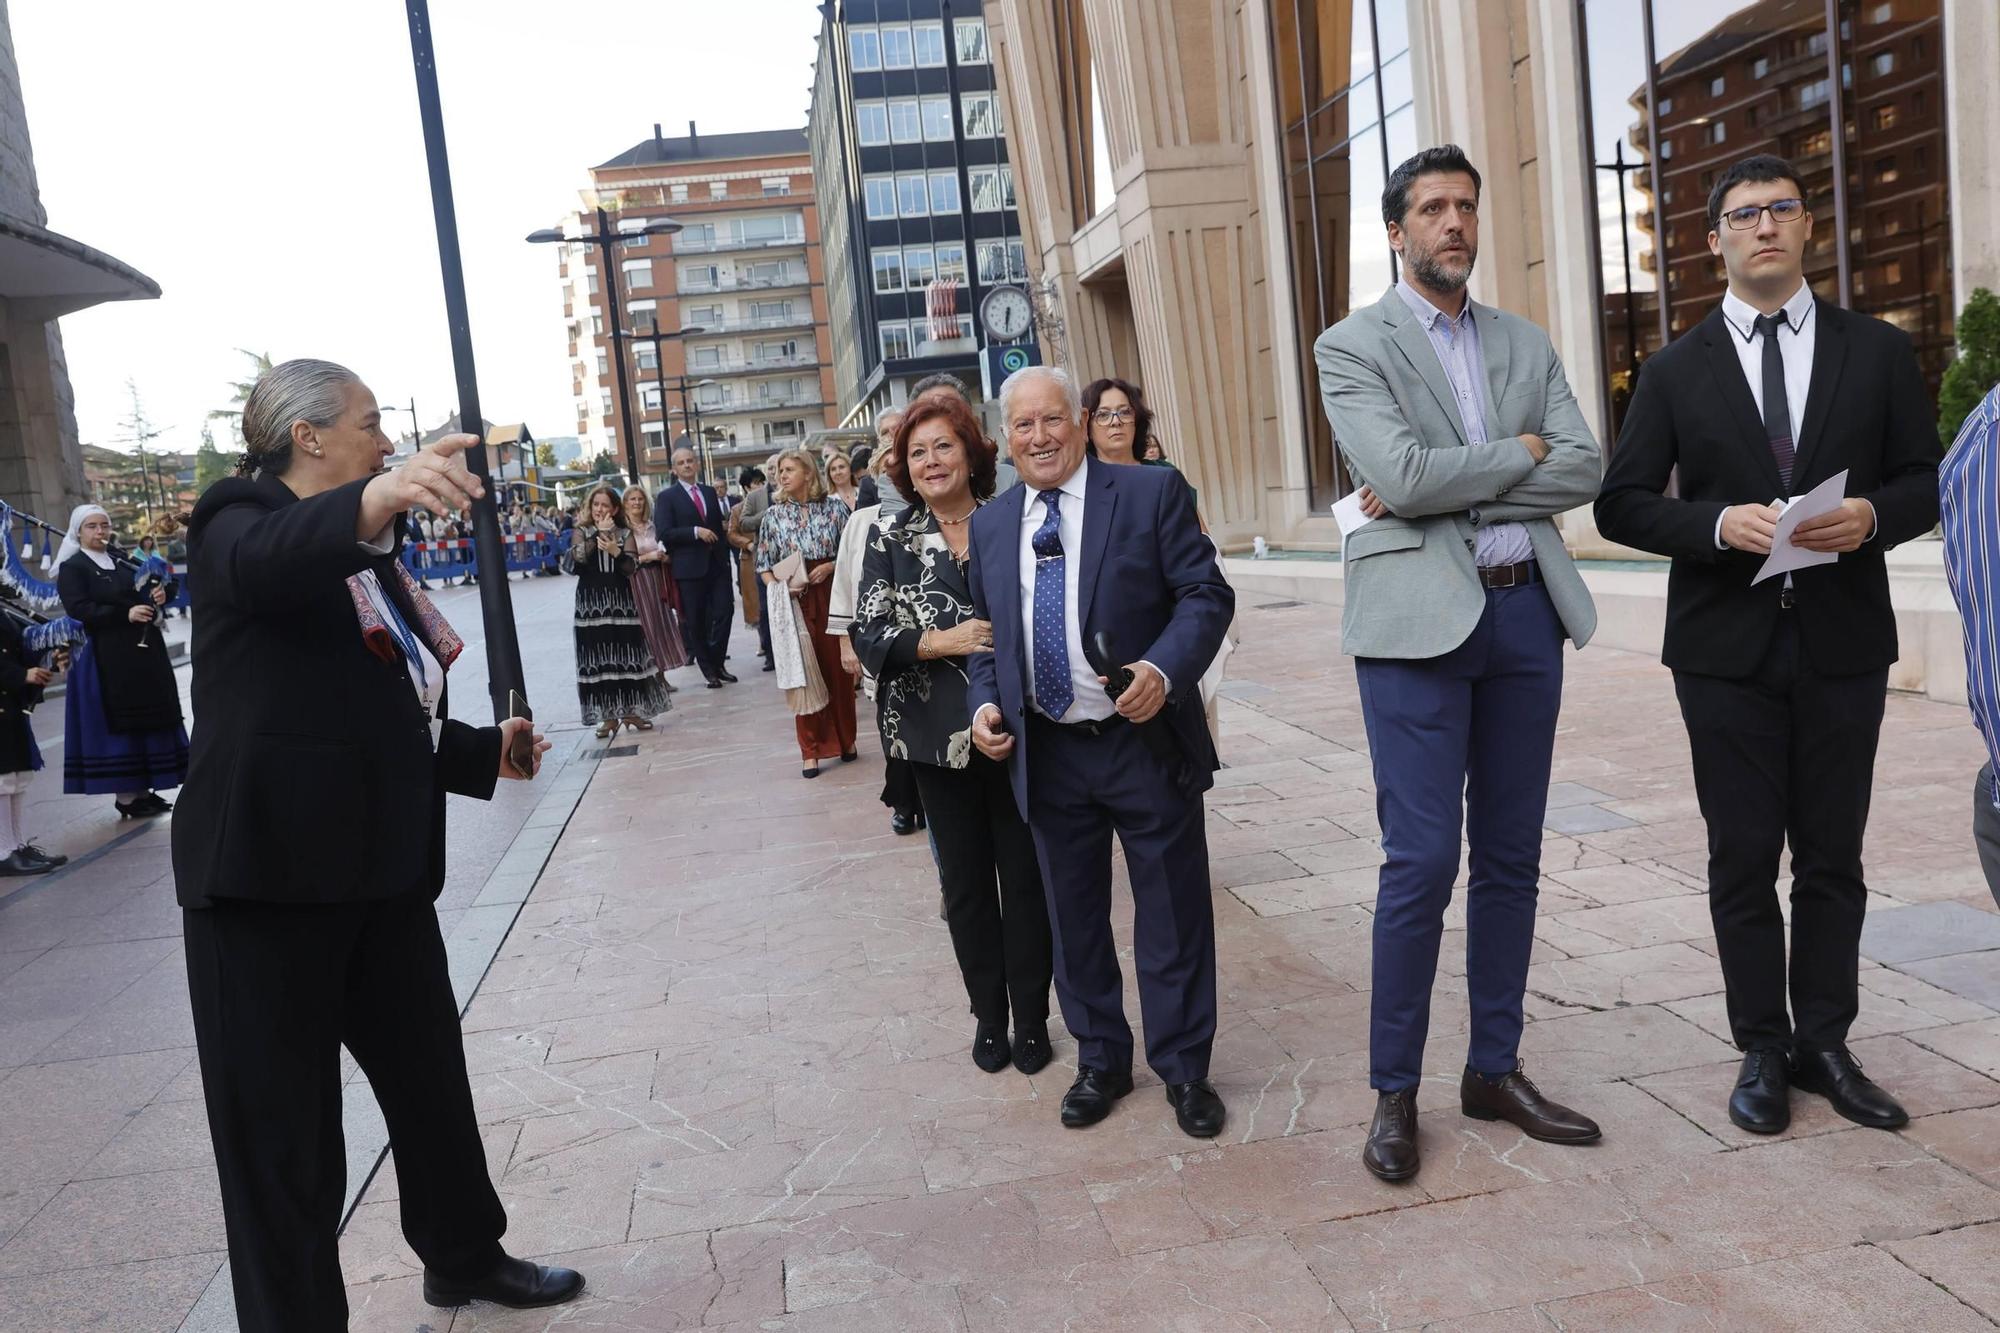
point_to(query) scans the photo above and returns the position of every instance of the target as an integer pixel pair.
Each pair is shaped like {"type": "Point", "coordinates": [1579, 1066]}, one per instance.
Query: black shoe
{"type": "Point", "coordinates": [514, 1283]}
{"type": "Point", "coordinates": [41, 855]}
{"type": "Point", "coordinates": [1391, 1153]}
{"type": "Point", "coordinates": [1198, 1107]}
{"type": "Point", "coordinates": [902, 825]}
{"type": "Point", "coordinates": [809, 773]}
{"type": "Point", "coordinates": [850, 756]}
{"type": "Point", "coordinates": [1089, 1098]}
{"type": "Point", "coordinates": [990, 1050]}
{"type": "Point", "coordinates": [153, 804]}
{"type": "Point", "coordinates": [20, 864]}
{"type": "Point", "coordinates": [1762, 1099]}
{"type": "Point", "coordinates": [1836, 1076]}
{"type": "Point", "coordinates": [715, 682]}
{"type": "Point", "coordinates": [1031, 1048]}
{"type": "Point", "coordinates": [136, 810]}
{"type": "Point", "coordinates": [1515, 1099]}
{"type": "Point", "coordinates": [725, 678]}
{"type": "Point", "coordinates": [770, 666]}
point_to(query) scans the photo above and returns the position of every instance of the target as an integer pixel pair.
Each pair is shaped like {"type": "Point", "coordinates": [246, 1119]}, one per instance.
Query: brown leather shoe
{"type": "Point", "coordinates": [1391, 1153]}
{"type": "Point", "coordinates": [1521, 1104]}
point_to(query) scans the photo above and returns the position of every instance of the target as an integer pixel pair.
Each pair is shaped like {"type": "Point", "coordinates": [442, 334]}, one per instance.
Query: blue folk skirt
{"type": "Point", "coordinates": [98, 761]}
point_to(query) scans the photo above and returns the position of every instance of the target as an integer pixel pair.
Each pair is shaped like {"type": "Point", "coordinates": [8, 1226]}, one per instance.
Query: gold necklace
{"type": "Point", "coordinates": [954, 522]}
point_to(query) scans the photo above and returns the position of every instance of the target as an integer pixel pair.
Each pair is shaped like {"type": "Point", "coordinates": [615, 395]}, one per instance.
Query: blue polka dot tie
{"type": "Point", "coordinates": [1054, 692]}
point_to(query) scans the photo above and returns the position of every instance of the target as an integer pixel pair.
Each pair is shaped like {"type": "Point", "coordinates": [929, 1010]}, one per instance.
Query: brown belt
{"type": "Point", "coordinates": [1510, 576]}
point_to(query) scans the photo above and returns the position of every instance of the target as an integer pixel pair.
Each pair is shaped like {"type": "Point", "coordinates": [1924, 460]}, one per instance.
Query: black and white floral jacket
{"type": "Point", "coordinates": [910, 582]}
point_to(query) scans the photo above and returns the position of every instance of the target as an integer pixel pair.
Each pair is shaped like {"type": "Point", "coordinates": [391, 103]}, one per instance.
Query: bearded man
{"type": "Point", "coordinates": [1457, 423]}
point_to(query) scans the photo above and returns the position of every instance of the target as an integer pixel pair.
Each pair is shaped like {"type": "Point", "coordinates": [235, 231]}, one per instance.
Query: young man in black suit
{"type": "Point", "coordinates": [690, 519]}
{"type": "Point", "coordinates": [1781, 683]}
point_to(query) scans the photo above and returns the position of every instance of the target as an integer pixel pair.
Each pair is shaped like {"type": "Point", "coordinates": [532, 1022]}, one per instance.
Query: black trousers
{"type": "Point", "coordinates": [1001, 935]}
{"type": "Point", "coordinates": [277, 990]}
{"type": "Point", "coordinates": [706, 604]}
{"type": "Point", "coordinates": [763, 611]}
{"type": "Point", "coordinates": [1786, 754]}
{"type": "Point", "coordinates": [899, 786]}
{"type": "Point", "coordinates": [1986, 829]}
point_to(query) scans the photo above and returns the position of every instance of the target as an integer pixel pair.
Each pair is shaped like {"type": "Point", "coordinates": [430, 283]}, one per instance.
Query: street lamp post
{"type": "Point", "coordinates": [606, 241]}
{"type": "Point", "coordinates": [656, 337]}
{"type": "Point", "coordinates": [693, 415]}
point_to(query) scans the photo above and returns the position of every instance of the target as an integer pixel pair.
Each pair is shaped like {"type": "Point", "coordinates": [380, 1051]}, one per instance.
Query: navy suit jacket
{"type": "Point", "coordinates": [1148, 577]}
{"type": "Point", "coordinates": [678, 526]}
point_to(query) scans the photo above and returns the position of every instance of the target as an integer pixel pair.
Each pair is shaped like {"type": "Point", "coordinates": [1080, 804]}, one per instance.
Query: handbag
{"type": "Point", "coordinates": [812, 696]}
{"type": "Point", "coordinates": [791, 571]}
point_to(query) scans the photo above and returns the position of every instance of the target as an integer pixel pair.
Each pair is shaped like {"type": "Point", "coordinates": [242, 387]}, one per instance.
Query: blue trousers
{"type": "Point", "coordinates": [1462, 740]}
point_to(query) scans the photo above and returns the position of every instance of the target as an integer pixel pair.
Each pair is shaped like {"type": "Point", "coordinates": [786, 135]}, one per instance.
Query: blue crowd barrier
{"type": "Point", "coordinates": [527, 553]}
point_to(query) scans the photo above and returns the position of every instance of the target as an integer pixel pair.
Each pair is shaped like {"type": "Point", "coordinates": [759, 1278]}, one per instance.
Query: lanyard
{"type": "Point", "coordinates": [405, 640]}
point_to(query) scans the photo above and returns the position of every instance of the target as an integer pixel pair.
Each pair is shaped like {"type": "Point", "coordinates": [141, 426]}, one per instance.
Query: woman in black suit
{"type": "Point", "coordinates": [309, 848]}
{"type": "Point", "coordinates": [913, 626]}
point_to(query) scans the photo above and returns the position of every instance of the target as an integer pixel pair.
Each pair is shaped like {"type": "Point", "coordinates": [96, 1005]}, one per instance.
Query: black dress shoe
{"type": "Point", "coordinates": [990, 1050]}
{"type": "Point", "coordinates": [1391, 1153]}
{"type": "Point", "coordinates": [1836, 1076]}
{"type": "Point", "coordinates": [1031, 1048]}
{"type": "Point", "coordinates": [514, 1283]}
{"type": "Point", "coordinates": [155, 804]}
{"type": "Point", "coordinates": [41, 855]}
{"type": "Point", "coordinates": [1089, 1098]}
{"type": "Point", "coordinates": [715, 682]}
{"type": "Point", "coordinates": [725, 678]}
{"type": "Point", "coordinates": [1198, 1107]}
{"type": "Point", "coordinates": [20, 864]}
{"type": "Point", "coordinates": [1520, 1103]}
{"type": "Point", "coordinates": [1762, 1099]}
{"type": "Point", "coordinates": [901, 824]}
{"type": "Point", "coordinates": [850, 756]}
{"type": "Point", "coordinates": [769, 665]}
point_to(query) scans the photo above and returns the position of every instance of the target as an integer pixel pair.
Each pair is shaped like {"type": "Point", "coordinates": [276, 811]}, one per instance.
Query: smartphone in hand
{"type": "Point", "coordinates": [521, 752]}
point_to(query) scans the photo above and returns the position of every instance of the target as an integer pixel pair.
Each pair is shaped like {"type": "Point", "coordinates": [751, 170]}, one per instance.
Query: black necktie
{"type": "Point", "coordinates": [1777, 412]}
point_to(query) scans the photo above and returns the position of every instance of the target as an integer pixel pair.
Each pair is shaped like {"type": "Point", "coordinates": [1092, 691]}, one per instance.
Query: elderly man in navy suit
{"type": "Point", "coordinates": [688, 516]}
{"type": "Point", "coordinates": [1077, 555]}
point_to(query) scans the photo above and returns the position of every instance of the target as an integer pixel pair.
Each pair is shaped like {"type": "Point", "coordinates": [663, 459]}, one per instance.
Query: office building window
{"type": "Point", "coordinates": [951, 261]}
{"type": "Point", "coordinates": [768, 227]}
{"type": "Point", "coordinates": [649, 397]}
{"type": "Point", "coordinates": [653, 437]}
{"type": "Point", "coordinates": [871, 124]}
{"type": "Point", "coordinates": [769, 310]}
{"type": "Point", "coordinates": [944, 192]}
{"type": "Point", "coordinates": [972, 42]}
{"type": "Point", "coordinates": [937, 119]}
{"type": "Point", "coordinates": [897, 52]}
{"type": "Point", "coordinates": [604, 364]}
{"type": "Point", "coordinates": [910, 196]}
{"type": "Point", "coordinates": [700, 277]}
{"type": "Point", "coordinates": [1656, 278]}
{"type": "Point", "coordinates": [982, 120]}
{"type": "Point", "coordinates": [638, 272]}
{"type": "Point", "coordinates": [918, 266]}
{"type": "Point", "coordinates": [888, 270]}
{"type": "Point", "coordinates": [705, 358]}
{"type": "Point", "coordinates": [992, 258]}
{"type": "Point", "coordinates": [708, 316]}
{"type": "Point", "coordinates": [905, 126]}
{"type": "Point", "coordinates": [678, 193]}
{"type": "Point", "coordinates": [1017, 261]}
{"type": "Point", "coordinates": [985, 182]}
{"type": "Point", "coordinates": [929, 41]}
{"type": "Point", "coordinates": [895, 344]}
{"type": "Point", "coordinates": [604, 401]}
{"type": "Point", "coordinates": [643, 353]}
{"type": "Point", "coordinates": [1007, 186]}
{"type": "Point", "coordinates": [864, 49]}
{"type": "Point", "coordinates": [881, 195]}
{"type": "Point", "coordinates": [777, 185]}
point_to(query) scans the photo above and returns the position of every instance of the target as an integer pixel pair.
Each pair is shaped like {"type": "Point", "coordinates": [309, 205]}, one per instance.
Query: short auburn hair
{"type": "Point", "coordinates": [980, 451]}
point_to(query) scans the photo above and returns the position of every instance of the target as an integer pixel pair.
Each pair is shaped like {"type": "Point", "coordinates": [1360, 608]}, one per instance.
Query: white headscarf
{"type": "Point", "coordinates": [72, 541]}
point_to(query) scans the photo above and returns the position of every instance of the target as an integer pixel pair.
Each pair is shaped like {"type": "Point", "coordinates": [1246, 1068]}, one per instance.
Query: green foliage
{"type": "Point", "coordinates": [545, 455]}
{"type": "Point", "coordinates": [1977, 366]}
{"type": "Point", "coordinates": [606, 465]}
{"type": "Point", "coordinates": [210, 463]}
{"type": "Point", "coordinates": [240, 389]}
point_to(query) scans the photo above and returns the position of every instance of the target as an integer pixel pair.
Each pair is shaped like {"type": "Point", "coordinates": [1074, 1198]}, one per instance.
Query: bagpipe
{"type": "Point", "coordinates": [34, 604]}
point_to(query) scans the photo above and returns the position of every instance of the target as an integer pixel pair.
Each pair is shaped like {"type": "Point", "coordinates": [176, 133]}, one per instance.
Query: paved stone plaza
{"type": "Point", "coordinates": [721, 1058]}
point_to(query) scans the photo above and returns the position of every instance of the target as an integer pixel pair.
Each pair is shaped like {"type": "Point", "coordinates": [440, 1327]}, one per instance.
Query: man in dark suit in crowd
{"type": "Point", "coordinates": [1080, 549]}
{"type": "Point", "coordinates": [689, 517]}
{"type": "Point", "coordinates": [1781, 683]}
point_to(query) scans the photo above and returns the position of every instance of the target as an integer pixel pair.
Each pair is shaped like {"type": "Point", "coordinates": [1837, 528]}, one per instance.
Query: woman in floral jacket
{"type": "Point", "coordinates": [913, 626]}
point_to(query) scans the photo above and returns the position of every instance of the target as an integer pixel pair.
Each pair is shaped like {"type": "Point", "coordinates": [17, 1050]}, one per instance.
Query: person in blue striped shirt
{"type": "Point", "coordinates": [1969, 506]}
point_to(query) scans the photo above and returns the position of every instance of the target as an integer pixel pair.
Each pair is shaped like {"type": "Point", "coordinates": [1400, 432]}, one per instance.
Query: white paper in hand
{"type": "Point", "coordinates": [1785, 557]}
{"type": "Point", "coordinates": [1349, 514]}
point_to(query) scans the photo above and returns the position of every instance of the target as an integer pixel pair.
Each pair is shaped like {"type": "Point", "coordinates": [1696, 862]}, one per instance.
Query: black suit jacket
{"type": "Point", "coordinates": [678, 524]}
{"type": "Point", "coordinates": [1866, 411]}
{"type": "Point", "coordinates": [312, 778]}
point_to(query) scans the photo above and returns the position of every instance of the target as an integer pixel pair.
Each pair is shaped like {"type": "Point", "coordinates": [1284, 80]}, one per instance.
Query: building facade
{"type": "Point", "coordinates": [743, 363]}
{"type": "Point", "coordinates": [1200, 181]}
{"type": "Point", "coordinates": [917, 194]}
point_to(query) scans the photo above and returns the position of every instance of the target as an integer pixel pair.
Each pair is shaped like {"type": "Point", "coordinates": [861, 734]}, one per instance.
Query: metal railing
{"type": "Point", "coordinates": [738, 282]}
{"type": "Point", "coordinates": [717, 245]}
{"type": "Point", "coordinates": [754, 323]}
{"type": "Point", "coordinates": [752, 365]}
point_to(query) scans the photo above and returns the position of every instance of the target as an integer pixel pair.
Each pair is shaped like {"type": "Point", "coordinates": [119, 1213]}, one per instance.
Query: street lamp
{"type": "Point", "coordinates": [691, 413]}
{"type": "Point", "coordinates": [656, 337]}
{"type": "Point", "coordinates": [416, 431]}
{"type": "Point", "coordinates": [606, 240]}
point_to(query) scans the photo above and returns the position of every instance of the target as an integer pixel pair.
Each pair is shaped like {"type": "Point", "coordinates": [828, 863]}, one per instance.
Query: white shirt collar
{"type": "Point", "coordinates": [1742, 316]}
{"type": "Point", "coordinates": [1034, 511]}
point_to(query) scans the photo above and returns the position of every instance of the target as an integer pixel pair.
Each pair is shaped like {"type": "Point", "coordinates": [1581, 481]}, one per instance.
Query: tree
{"type": "Point", "coordinates": [210, 464]}
{"type": "Point", "coordinates": [545, 455]}
{"type": "Point", "coordinates": [240, 389]}
{"type": "Point", "coordinates": [1977, 366]}
{"type": "Point", "coordinates": [606, 465]}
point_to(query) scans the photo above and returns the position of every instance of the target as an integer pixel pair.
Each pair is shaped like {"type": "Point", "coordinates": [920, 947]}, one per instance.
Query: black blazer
{"type": "Point", "coordinates": [677, 523]}
{"type": "Point", "coordinates": [137, 682]}
{"type": "Point", "coordinates": [17, 697]}
{"type": "Point", "coordinates": [312, 778]}
{"type": "Point", "coordinates": [906, 589]}
{"type": "Point", "coordinates": [1866, 411]}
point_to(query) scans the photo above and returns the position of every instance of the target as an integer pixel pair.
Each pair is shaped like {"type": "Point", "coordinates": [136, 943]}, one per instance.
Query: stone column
{"type": "Point", "coordinates": [1972, 142]}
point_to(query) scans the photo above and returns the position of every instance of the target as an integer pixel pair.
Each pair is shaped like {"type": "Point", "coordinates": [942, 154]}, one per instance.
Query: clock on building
{"type": "Point", "coordinates": [1006, 313]}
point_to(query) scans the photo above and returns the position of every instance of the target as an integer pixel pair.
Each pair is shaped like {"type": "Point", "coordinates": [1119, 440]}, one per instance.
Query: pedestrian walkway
{"type": "Point", "coordinates": [722, 1066]}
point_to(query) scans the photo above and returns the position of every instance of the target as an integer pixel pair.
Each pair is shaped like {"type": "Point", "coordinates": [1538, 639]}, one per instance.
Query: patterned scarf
{"type": "Point", "coordinates": [431, 626]}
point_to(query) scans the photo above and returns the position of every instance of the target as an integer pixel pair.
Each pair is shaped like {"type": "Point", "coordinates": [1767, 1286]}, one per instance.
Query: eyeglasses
{"type": "Point", "coordinates": [1111, 416]}
{"type": "Point", "coordinates": [1781, 210]}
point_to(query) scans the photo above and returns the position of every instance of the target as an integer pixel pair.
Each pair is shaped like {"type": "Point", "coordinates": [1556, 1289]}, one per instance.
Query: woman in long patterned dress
{"type": "Point", "coordinates": [654, 591]}
{"type": "Point", "coordinates": [804, 519]}
{"type": "Point", "coordinates": [616, 677]}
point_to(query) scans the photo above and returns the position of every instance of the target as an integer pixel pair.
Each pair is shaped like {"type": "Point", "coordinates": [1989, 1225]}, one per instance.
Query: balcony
{"type": "Point", "coordinates": [777, 402]}
{"type": "Point", "coordinates": [722, 245]}
{"type": "Point", "coordinates": [801, 319]}
{"type": "Point", "coordinates": [751, 365]}
{"type": "Point", "coordinates": [743, 282]}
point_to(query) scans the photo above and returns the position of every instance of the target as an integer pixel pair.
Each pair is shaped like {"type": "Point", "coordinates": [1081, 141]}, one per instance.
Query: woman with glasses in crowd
{"type": "Point", "coordinates": [616, 677]}
{"type": "Point", "coordinates": [913, 629]}
{"type": "Point", "coordinates": [654, 592]}
{"type": "Point", "coordinates": [804, 521]}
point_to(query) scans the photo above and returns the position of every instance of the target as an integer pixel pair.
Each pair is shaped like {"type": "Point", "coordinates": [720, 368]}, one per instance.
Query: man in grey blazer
{"type": "Point", "coordinates": [1458, 423]}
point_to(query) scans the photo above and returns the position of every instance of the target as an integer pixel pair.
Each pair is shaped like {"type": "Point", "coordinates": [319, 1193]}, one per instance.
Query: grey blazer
{"type": "Point", "coordinates": [1412, 590]}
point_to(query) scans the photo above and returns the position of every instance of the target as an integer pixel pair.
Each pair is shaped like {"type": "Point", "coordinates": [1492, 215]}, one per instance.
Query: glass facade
{"type": "Point", "coordinates": [1851, 91]}
{"type": "Point", "coordinates": [1342, 70]}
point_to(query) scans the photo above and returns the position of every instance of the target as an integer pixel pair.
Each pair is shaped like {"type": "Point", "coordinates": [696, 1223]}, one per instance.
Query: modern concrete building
{"type": "Point", "coordinates": [745, 270]}
{"type": "Point", "coordinates": [1200, 183]}
{"type": "Point", "coordinates": [43, 276]}
{"type": "Point", "coordinates": [917, 196]}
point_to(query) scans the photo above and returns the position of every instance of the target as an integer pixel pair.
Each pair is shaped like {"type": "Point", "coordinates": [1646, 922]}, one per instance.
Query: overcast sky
{"type": "Point", "coordinates": [263, 162]}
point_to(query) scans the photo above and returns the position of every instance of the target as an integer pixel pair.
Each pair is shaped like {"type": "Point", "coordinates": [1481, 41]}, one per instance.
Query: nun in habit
{"type": "Point", "coordinates": [123, 734]}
